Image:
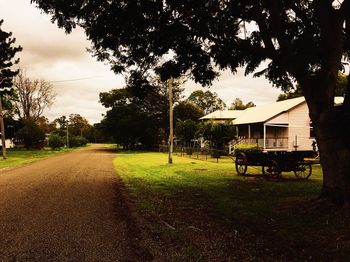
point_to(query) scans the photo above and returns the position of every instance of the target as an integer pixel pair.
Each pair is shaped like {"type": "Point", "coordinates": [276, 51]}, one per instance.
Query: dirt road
{"type": "Point", "coordinates": [66, 208]}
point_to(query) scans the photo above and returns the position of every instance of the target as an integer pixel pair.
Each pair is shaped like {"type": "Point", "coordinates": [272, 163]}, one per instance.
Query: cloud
{"type": "Point", "coordinates": [50, 54]}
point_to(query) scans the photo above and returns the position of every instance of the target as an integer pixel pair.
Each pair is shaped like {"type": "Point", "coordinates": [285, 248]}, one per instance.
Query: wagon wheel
{"type": "Point", "coordinates": [271, 169]}
{"type": "Point", "coordinates": [241, 164]}
{"type": "Point", "coordinates": [303, 171]}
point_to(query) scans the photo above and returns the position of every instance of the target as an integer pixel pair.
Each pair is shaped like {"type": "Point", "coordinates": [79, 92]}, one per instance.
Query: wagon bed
{"type": "Point", "coordinates": [275, 162]}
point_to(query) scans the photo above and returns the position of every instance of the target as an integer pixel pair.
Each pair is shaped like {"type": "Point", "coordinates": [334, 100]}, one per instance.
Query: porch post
{"type": "Point", "coordinates": [237, 131]}
{"type": "Point", "coordinates": [264, 137]}
{"type": "Point", "coordinates": [249, 132]}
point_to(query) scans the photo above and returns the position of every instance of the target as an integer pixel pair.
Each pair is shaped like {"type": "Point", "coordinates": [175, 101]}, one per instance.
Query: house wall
{"type": "Point", "coordinates": [299, 128]}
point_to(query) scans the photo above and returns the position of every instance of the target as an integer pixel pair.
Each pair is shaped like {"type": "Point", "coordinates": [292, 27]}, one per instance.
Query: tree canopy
{"type": "Point", "coordinates": [238, 104]}
{"type": "Point", "coordinates": [7, 58]}
{"type": "Point", "coordinates": [286, 41]}
{"type": "Point", "coordinates": [138, 118]}
{"type": "Point", "coordinates": [208, 101]}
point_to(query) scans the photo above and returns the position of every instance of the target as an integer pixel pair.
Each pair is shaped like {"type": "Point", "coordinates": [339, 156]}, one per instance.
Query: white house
{"type": "Point", "coordinates": [283, 125]}
{"type": "Point", "coordinates": [8, 143]}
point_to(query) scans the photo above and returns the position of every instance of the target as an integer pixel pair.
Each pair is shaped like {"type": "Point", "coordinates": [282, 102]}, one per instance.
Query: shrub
{"type": "Point", "coordinates": [31, 135]}
{"type": "Point", "coordinates": [56, 141]}
{"type": "Point", "coordinates": [247, 148]}
{"type": "Point", "coordinates": [77, 141]}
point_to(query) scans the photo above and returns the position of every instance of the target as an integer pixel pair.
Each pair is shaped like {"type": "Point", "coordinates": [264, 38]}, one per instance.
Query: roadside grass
{"type": "Point", "coordinates": [18, 157]}
{"type": "Point", "coordinates": [201, 210]}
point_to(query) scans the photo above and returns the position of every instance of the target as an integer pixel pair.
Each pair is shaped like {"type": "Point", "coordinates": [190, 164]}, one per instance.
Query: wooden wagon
{"type": "Point", "coordinates": [275, 162]}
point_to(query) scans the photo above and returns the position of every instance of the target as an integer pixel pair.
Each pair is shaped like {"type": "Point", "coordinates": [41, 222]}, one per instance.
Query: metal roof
{"type": "Point", "coordinates": [263, 113]}
{"type": "Point", "coordinates": [223, 114]}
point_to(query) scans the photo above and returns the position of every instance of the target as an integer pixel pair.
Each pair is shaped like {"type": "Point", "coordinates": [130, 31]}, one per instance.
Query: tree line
{"type": "Point", "coordinates": [138, 116]}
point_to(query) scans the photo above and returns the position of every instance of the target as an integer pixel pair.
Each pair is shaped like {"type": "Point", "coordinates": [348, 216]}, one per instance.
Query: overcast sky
{"type": "Point", "coordinates": [50, 54]}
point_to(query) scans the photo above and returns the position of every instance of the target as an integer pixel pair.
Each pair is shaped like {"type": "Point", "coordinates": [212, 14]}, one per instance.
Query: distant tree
{"type": "Point", "coordinates": [78, 125]}
{"type": "Point", "coordinates": [186, 131]}
{"type": "Point", "coordinates": [31, 135]}
{"type": "Point", "coordinates": [186, 110]}
{"type": "Point", "coordinates": [218, 135]}
{"type": "Point", "coordinates": [238, 105]}
{"type": "Point", "coordinates": [32, 96]}
{"type": "Point", "coordinates": [207, 100]}
{"type": "Point", "coordinates": [45, 125]}
{"type": "Point", "coordinates": [138, 114]}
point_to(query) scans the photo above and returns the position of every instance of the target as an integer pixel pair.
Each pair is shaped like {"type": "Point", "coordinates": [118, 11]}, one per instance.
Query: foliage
{"type": "Point", "coordinates": [186, 110]}
{"type": "Point", "coordinates": [45, 124]}
{"type": "Point", "coordinates": [32, 96]}
{"type": "Point", "coordinates": [56, 141]}
{"type": "Point", "coordinates": [207, 100]}
{"type": "Point", "coordinates": [78, 125]}
{"type": "Point", "coordinates": [31, 135]}
{"type": "Point", "coordinates": [218, 134]}
{"type": "Point", "coordinates": [7, 55]}
{"type": "Point", "coordinates": [77, 141]}
{"type": "Point", "coordinates": [340, 89]}
{"type": "Point", "coordinates": [247, 148]}
{"type": "Point", "coordinates": [238, 105]}
{"type": "Point", "coordinates": [186, 131]}
{"type": "Point", "coordinates": [132, 120]}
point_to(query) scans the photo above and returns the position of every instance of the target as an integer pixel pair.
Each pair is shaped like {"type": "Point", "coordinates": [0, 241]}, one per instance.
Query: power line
{"type": "Point", "coordinates": [74, 79]}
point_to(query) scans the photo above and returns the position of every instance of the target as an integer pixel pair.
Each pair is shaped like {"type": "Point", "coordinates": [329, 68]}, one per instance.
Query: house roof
{"type": "Point", "coordinates": [223, 114]}
{"type": "Point", "coordinates": [263, 113]}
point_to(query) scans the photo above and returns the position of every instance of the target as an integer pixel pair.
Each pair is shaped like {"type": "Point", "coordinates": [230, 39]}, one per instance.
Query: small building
{"type": "Point", "coordinates": [283, 125]}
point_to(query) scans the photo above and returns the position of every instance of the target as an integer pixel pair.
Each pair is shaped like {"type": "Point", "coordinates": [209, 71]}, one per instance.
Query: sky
{"type": "Point", "coordinates": [78, 78]}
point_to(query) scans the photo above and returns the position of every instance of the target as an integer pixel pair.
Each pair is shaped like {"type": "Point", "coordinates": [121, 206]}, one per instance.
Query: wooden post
{"type": "Point", "coordinates": [264, 137]}
{"type": "Point", "coordinates": [2, 126]}
{"type": "Point", "coordinates": [171, 133]}
{"type": "Point", "coordinates": [67, 136]}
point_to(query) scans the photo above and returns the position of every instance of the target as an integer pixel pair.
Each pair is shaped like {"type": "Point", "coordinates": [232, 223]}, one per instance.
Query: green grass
{"type": "Point", "coordinates": [280, 212]}
{"type": "Point", "coordinates": [18, 157]}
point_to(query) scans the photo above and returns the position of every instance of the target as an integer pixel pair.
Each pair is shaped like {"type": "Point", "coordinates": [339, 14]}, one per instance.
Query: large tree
{"type": "Point", "coordinates": [32, 96]}
{"type": "Point", "coordinates": [301, 41]}
{"type": "Point", "coordinates": [138, 114]}
{"type": "Point", "coordinates": [7, 61]}
{"type": "Point", "coordinates": [208, 101]}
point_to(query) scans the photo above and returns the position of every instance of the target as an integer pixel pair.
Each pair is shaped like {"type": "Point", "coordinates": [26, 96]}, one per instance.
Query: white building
{"type": "Point", "coordinates": [283, 125]}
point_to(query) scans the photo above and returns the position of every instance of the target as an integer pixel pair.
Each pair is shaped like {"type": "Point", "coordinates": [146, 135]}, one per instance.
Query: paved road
{"type": "Point", "coordinates": [66, 208]}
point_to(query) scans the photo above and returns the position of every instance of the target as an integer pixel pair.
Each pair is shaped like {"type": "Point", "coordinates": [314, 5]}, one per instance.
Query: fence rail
{"type": "Point", "coordinates": [213, 155]}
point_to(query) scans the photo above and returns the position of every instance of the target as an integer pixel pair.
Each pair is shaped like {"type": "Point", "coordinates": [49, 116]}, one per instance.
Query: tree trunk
{"type": "Point", "coordinates": [333, 138]}
{"type": "Point", "coordinates": [332, 129]}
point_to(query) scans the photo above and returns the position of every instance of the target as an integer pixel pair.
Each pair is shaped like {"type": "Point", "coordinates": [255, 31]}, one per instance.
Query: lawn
{"type": "Point", "coordinates": [198, 210]}
{"type": "Point", "coordinates": [18, 157]}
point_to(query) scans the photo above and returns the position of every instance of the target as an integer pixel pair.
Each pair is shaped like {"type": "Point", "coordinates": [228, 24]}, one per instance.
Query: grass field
{"type": "Point", "coordinates": [198, 210]}
{"type": "Point", "coordinates": [18, 157]}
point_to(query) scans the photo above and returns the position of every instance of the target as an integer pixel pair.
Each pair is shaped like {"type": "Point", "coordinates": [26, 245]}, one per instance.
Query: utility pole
{"type": "Point", "coordinates": [171, 133]}
{"type": "Point", "coordinates": [67, 136]}
{"type": "Point", "coordinates": [2, 127]}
